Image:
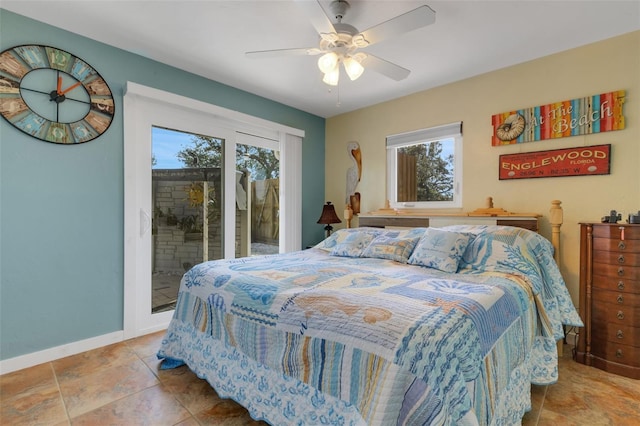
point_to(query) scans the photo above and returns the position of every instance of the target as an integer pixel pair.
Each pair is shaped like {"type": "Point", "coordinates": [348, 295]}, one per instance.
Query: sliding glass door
{"type": "Point", "coordinates": [258, 196]}
{"type": "Point", "coordinates": [199, 186]}
{"type": "Point", "coordinates": [186, 200]}
{"type": "Point", "coordinates": [187, 205]}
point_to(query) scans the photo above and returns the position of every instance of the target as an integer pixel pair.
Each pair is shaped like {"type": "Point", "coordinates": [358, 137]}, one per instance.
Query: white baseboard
{"type": "Point", "coordinates": [51, 354]}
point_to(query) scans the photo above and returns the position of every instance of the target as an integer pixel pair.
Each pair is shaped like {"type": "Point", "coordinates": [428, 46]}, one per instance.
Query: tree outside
{"type": "Point", "coordinates": [434, 171]}
{"type": "Point", "coordinates": [207, 152]}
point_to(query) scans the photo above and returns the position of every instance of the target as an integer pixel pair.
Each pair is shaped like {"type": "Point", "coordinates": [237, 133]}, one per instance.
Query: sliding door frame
{"type": "Point", "coordinates": [145, 107]}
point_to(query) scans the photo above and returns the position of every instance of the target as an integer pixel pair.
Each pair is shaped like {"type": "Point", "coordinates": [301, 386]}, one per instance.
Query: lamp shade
{"type": "Point", "coordinates": [353, 67]}
{"type": "Point", "coordinates": [331, 78]}
{"type": "Point", "coordinates": [328, 62]}
{"type": "Point", "coordinates": [329, 215]}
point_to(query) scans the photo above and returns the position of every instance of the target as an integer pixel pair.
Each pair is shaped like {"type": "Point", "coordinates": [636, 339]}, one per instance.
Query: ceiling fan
{"type": "Point", "coordinates": [340, 42]}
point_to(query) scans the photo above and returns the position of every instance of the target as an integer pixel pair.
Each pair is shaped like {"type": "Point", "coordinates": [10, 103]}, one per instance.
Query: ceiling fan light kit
{"type": "Point", "coordinates": [339, 41]}
{"type": "Point", "coordinates": [329, 64]}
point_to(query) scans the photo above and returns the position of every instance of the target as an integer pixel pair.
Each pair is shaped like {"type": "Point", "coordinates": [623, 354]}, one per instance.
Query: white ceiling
{"type": "Point", "coordinates": [209, 38]}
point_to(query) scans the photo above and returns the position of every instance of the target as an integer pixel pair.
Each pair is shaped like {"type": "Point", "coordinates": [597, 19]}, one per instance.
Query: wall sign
{"type": "Point", "coordinates": [581, 161]}
{"type": "Point", "coordinates": [592, 114]}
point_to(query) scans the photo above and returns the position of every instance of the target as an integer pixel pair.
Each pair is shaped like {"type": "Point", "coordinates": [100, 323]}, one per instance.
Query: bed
{"type": "Point", "coordinates": [423, 326]}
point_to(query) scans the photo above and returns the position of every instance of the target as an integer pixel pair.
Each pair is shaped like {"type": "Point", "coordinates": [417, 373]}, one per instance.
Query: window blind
{"type": "Point", "coordinates": [425, 135]}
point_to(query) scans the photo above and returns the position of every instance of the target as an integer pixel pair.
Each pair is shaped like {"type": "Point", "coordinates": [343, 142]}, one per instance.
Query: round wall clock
{"type": "Point", "coordinates": [52, 95]}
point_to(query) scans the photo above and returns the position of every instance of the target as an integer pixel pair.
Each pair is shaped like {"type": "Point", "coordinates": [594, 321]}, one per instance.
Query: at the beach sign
{"type": "Point", "coordinates": [592, 114]}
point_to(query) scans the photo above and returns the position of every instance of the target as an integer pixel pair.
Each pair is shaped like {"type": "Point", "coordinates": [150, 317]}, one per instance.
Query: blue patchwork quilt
{"type": "Point", "coordinates": [320, 337]}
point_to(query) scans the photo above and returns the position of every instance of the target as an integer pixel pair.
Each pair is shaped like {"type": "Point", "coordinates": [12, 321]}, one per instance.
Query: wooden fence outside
{"type": "Point", "coordinates": [407, 181]}
{"type": "Point", "coordinates": [265, 211]}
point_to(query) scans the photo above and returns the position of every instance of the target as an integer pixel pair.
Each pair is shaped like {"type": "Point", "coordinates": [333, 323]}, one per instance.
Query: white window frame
{"type": "Point", "coordinates": [431, 134]}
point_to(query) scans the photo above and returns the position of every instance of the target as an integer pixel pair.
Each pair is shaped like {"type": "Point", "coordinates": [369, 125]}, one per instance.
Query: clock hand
{"type": "Point", "coordinates": [36, 91]}
{"type": "Point", "coordinates": [76, 100]}
{"type": "Point", "coordinates": [70, 88]}
{"type": "Point", "coordinates": [59, 89]}
{"type": "Point", "coordinates": [54, 95]}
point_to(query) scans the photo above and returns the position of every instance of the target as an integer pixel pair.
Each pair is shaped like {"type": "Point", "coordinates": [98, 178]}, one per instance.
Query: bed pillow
{"type": "Point", "coordinates": [495, 248]}
{"type": "Point", "coordinates": [340, 235]}
{"type": "Point", "coordinates": [440, 249]}
{"type": "Point", "coordinates": [355, 243]}
{"type": "Point", "coordinates": [404, 232]}
{"type": "Point", "coordinates": [392, 247]}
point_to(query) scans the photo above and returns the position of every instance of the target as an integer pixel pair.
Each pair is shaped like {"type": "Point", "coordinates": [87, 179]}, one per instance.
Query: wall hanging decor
{"type": "Point", "coordinates": [583, 116]}
{"type": "Point", "coordinates": [354, 174]}
{"type": "Point", "coordinates": [52, 95]}
{"type": "Point", "coordinates": [580, 161]}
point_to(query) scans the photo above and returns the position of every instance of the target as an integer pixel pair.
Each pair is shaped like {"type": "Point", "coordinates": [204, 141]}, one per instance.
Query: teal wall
{"type": "Point", "coordinates": [61, 207]}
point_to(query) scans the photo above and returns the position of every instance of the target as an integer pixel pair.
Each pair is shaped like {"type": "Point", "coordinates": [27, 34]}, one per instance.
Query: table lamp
{"type": "Point", "coordinates": [328, 217]}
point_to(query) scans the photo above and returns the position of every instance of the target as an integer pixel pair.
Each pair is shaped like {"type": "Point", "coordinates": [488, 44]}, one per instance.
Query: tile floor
{"type": "Point", "coordinates": [121, 385]}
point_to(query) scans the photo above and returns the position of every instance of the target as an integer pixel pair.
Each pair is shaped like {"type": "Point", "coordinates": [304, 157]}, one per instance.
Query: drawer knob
{"type": "Point", "coordinates": [621, 245]}
{"type": "Point", "coordinates": [621, 258]}
{"type": "Point", "coordinates": [620, 300]}
{"type": "Point", "coordinates": [620, 285]}
{"type": "Point", "coordinates": [621, 271]}
{"type": "Point", "coordinates": [620, 315]}
{"type": "Point", "coordinates": [619, 334]}
{"type": "Point", "coordinates": [619, 353]}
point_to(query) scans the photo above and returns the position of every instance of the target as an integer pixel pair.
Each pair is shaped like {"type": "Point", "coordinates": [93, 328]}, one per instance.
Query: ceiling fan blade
{"type": "Point", "coordinates": [414, 19]}
{"type": "Point", "coordinates": [283, 52]}
{"type": "Point", "coordinates": [391, 70]}
{"type": "Point", "coordinates": [318, 18]}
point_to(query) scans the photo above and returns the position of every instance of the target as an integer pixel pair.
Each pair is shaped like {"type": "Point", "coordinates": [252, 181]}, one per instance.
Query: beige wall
{"type": "Point", "coordinates": [602, 67]}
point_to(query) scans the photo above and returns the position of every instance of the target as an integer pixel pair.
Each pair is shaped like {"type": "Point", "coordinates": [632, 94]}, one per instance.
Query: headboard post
{"type": "Point", "coordinates": [555, 218]}
{"type": "Point", "coordinates": [348, 215]}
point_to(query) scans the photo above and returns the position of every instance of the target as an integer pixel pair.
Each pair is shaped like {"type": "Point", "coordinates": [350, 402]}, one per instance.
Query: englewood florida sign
{"type": "Point", "coordinates": [592, 114]}
{"type": "Point", "coordinates": [585, 160]}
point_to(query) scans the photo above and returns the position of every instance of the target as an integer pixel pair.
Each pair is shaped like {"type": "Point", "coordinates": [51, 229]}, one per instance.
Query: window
{"type": "Point", "coordinates": [424, 168]}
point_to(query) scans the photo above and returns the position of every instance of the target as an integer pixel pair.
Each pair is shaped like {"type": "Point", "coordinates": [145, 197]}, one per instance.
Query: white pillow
{"type": "Point", "coordinates": [393, 248]}
{"type": "Point", "coordinates": [440, 249]}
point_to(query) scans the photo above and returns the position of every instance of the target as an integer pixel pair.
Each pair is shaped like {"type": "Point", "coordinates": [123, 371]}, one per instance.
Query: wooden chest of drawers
{"type": "Point", "coordinates": [610, 297]}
